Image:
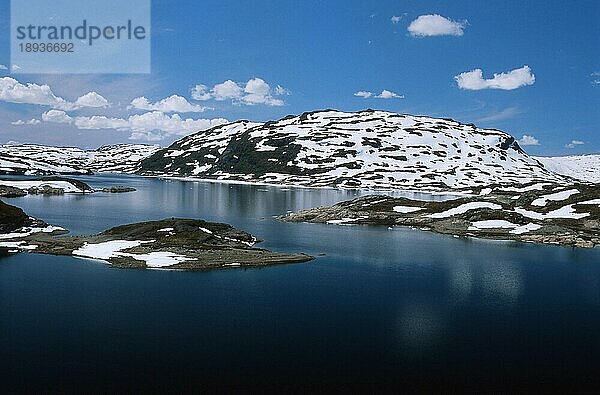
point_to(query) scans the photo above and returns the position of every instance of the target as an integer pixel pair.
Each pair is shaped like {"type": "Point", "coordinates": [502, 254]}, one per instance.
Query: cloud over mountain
{"type": "Point", "coordinates": [528, 140]}
{"type": "Point", "coordinates": [150, 126]}
{"type": "Point", "coordinates": [385, 94]}
{"type": "Point", "coordinates": [172, 103]}
{"type": "Point", "coordinates": [254, 91]}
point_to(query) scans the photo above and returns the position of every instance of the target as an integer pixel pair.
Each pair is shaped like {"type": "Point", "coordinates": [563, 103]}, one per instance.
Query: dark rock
{"type": "Point", "coordinates": [118, 189]}
{"type": "Point", "coordinates": [9, 192]}
{"type": "Point", "coordinates": [12, 218]}
{"type": "Point", "coordinates": [45, 190]}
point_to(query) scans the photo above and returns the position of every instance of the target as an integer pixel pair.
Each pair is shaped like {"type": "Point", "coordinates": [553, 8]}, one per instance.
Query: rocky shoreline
{"type": "Point", "coordinates": [562, 214]}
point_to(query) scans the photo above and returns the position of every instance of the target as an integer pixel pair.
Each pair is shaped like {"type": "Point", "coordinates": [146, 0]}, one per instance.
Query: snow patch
{"type": "Point", "coordinates": [406, 209]}
{"type": "Point", "coordinates": [563, 212]}
{"type": "Point", "coordinates": [114, 248]}
{"type": "Point", "coordinates": [555, 197]}
{"type": "Point", "coordinates": [108, 249]}
{"type": "Point", "coordinates": [26, 231]}
{"type": "Point", "coordinates": [502, 224]}
{"type": "Point", "coordinates": [463, 208]}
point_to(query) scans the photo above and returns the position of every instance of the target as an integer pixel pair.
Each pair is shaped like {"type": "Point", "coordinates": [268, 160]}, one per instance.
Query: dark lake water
{"type": "Point", "coordinates": [380, 308]}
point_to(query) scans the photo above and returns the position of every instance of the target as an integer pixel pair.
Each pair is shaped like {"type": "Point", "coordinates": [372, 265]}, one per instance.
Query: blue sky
{"type": "Point", "coordinates": [321, 53]}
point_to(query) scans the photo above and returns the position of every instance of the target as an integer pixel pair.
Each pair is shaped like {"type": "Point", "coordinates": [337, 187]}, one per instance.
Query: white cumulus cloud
{"type": "Point", "coordinates": [3, 67]}
{"type": "Point", "coordinates": [201, 92]}
{"type": "Point", "coordinates": [173, 124]}
{"type": "Point", "coordinates": [21, 122]}
{"type": "Point", "coordinates": [435, 25]}
{"type": "Point", "coordinates": [385, 94]}
{"type": "Point", "coordinates": [91, 99]}
{"type": "Point", "coordinates": [254, 91]}
{"type": "Point", "coordinates": [257, 91]}
{"type": "Point", "coordinates": [528, 140]}
{"type": "Point", "coordinates": [56, 116]}
{"type": "Point", "coordinates": [473, 80]}
{"type": "Point", "coordinates": [172, 103]}
{"type": "Point", "coordinates": [227, 90]}
{"type": "Point", "coordinates": [396, 19]}
{"type": "Point", "coordinates": [13, 91]}
{"type": "Point", "coordinates": [101, 122]}
{"type": "Point", "coordinates": [150, 126]}
{"type": "Point", "coordinates": [363, 94]}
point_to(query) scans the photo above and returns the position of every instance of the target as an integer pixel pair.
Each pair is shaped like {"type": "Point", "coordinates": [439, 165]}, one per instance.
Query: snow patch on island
{"type": "Point", "coordinates": [406, 209]}
{"type": "Point", "coordinates": [27, 231]}
{"type": "Point", "coordinates": [497, 224]}
{"type": "Point", "coordinates": [107, 249]}
{"type": "Point", "coordinates": [563, 212]}
{"type": "Point", "coordinates": [114, 248]}
{"type": "Point", "coordinates": [463, 208]}
{"type": "Point", "coordinates": [555, 197]}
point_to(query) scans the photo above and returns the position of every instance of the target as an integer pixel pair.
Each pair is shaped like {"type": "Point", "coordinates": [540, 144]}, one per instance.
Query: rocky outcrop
{"type": "Point", "coordinates": [117, 189]}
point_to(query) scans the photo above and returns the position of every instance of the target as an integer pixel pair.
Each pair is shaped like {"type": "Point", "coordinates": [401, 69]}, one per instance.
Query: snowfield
{"type": "Point", "coordinates": [583, 167]}
{"type": "Point", "coordinates": [32, 159]}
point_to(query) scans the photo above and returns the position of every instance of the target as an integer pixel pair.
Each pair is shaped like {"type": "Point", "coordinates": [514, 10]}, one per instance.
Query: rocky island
{"type": "Point", "coordinates": [564, 214]}
{"type": "Point", "coordinates": [175, 244]}
{"type": "Point", "coordinates": [54, 185]}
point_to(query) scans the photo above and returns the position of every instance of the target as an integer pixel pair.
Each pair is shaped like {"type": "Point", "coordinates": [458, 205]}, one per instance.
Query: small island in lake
{"type": "Point", "coordinates": [17, 187]}
{"type": "Point", "coordinates": [176, 244]}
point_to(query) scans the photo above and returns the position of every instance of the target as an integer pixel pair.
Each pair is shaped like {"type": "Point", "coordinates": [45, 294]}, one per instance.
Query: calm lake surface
{"type": "Point", "coordinates": [380, 307]}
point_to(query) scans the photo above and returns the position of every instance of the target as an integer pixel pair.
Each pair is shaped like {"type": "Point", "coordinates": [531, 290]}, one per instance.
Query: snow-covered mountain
{"type": "Point", "coordinates": [43, 160]}
{"type": "Point", "coordinates": [584, 167]}
{"type": "Point", "coordinates": [368, 149]}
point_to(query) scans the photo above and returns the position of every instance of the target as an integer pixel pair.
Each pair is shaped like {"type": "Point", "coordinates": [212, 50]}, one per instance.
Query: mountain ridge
{"type": "Point", "coordinates": [321, 148]}
{"type": "Point", "coordinates": [36, 159]}
{"type": "Point", "coordinates": [365, 149]}
{"type": "Point", "coordinates": [581, 167]}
